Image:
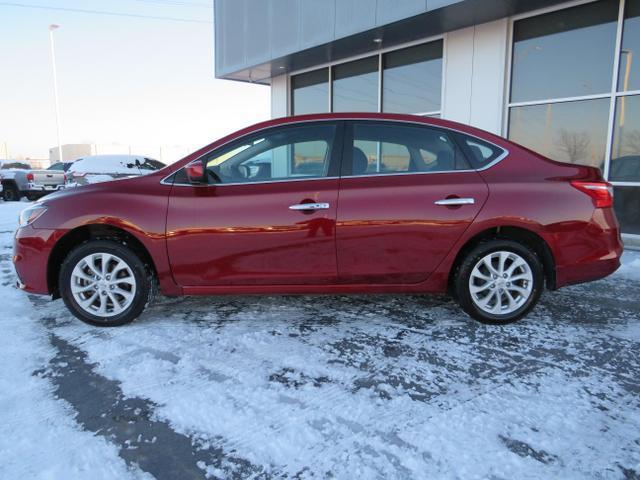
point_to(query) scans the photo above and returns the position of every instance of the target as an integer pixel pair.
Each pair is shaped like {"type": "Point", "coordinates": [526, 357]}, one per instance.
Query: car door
{"type": "Point", "coordinates": [407, 193]}
{"type": "Point", "coordinates": [268, 215]}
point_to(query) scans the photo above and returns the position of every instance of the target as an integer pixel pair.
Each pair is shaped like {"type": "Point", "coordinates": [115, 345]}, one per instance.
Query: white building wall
{"type": "Point", "coordinates": [279, 97]}
{"type": "Point", "coordinates": [475, 75]}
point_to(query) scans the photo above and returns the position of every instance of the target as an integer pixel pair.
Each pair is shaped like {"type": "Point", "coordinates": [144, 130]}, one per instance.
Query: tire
{"type": "Point", "coordinates": [483, 291]}
{"type": "Point", "coordinates": [82, 277]}
{"type": "Point", "coordinates": [11, 193]}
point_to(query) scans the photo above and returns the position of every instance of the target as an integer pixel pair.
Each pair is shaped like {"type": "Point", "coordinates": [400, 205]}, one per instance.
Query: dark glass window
{"type": "Point", "coordinates": [629, 73]}
{"type": "Point", "coordinates": [573, 132]}
{"type": "Point", "coordinates": [625, 151]}
{"type": "Point", "coordinates": [626, 201]}
{"type": "Point", "coordinates": [388, 148]}
{"type": "Point", "coordinates": [481, 153]}
{"type": "Point", "coordinates": [310, 92]}
{"type": "Point", "coordinates": [566, 53]}
{"type": "Point", "coordinates": [355, 86]}
{"type": "Point", "coordinates": [296, 152]}
{"type": "Point", "coordinates": [412, 79]}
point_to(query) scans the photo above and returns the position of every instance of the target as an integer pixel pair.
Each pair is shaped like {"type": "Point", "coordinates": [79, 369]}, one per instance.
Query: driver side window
{"type": "Point", "coordinates": [290, 153]}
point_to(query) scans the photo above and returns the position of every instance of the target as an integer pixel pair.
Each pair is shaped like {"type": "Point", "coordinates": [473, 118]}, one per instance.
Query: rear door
{"type": "Point", "coordinates": [407, 193]}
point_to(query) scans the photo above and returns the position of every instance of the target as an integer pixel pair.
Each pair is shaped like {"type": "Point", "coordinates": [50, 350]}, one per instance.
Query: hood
{"type": "Point", "coordinates": [119, 185]}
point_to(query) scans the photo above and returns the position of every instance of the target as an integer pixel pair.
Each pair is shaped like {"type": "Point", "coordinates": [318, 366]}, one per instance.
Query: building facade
{"type": "Point", "coordinates": [562, 78]}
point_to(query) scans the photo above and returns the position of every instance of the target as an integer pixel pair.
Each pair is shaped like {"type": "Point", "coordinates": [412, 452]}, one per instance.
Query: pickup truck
{"type": "Point", "coordinates": [33, 184]}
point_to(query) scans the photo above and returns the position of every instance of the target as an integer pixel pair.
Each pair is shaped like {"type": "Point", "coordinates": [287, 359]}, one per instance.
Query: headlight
{"type": "Point", "coordinates": [30, 214]}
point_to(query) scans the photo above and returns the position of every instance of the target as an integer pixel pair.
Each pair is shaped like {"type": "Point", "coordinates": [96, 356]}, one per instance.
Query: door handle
{"type": "Point", "coordinates": [448, 202]}
{"type": "Point", "coordinates": [310, 206]}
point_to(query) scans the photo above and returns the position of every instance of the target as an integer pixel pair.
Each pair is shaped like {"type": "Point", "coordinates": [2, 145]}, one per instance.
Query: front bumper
{"type": "Point", "coordinates": [31, 250]}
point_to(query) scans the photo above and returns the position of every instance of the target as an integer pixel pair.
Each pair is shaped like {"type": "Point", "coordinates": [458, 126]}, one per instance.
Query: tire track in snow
{"type": "Point", "coordinates": [129, 422]}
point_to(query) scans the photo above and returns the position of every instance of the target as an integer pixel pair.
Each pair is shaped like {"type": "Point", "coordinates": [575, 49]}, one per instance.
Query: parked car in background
{"type": "Point", "coordinates": [63, 166]}
{"type": "Point", "coordinates": [18, 182]}
{"type": "Point", "coordinates": [328, 203]}
{"type": "Point", "coordinates": [102, 168]}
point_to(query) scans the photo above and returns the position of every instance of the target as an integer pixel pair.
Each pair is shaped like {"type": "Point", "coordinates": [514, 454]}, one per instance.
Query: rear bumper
{"type": "Point", "coordinates": [596, 251]}
{"type": "Point", "coordinates": [36, 189]}
{"type": "Point", "coordinates": [31, 249]}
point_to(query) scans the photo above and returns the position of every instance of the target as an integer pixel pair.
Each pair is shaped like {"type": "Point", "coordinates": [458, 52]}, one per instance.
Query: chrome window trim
{"type": "Point", "coordinates": [505, 153]}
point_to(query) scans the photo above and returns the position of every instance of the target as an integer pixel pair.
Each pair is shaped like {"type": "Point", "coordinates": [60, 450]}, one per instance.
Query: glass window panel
{"type": "Point", "coordinates": [355, 86]}
{"type": "Point", "coordinates": [626, 202]}
{"type": "Point", "coordinates": [566, 53]}
{"type": "Point", "coordinates": [625, 151]}
{"type": "Point", "coordinates": [397, 149]}
{"type": "Point", "coordinates": [573, 132]}
{"type": "Point", "coordinates": [412, 79]}
{"type": "Point", "coordinates": [297, 152]}
{"type": "Point", "coordinates": [481, 152]}
{"type": "Point", "coordinates": [629, 73]}
{"type": "Point", "coordinates": [310, 92]}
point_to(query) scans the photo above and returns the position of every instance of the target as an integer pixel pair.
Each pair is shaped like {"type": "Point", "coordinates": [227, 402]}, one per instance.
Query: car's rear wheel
{"type": "Point", "coordinates": [104, 283]}
{"type": "Point", "coordinates": [11, 193]}
{"type": "Point", "coordinates": [499, 281]}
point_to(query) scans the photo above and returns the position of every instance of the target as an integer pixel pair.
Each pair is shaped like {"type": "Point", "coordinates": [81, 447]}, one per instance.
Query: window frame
{"type": "Point", "coordinates": [379, 54]}
{"type": "Point", "coordinates": [613, 94]}
{"type": "Point", "coordinates": [454, 136]}
{"type": "Point", "coordinates": [335, 150]}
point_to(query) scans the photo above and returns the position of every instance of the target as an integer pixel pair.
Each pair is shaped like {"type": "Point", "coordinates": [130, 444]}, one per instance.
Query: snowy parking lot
{"type": "Point", "coordinates": [322, 387]}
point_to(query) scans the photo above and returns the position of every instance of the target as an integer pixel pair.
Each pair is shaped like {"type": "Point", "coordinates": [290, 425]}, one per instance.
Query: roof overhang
{"type": "Point", "coordinates": [461, 14]}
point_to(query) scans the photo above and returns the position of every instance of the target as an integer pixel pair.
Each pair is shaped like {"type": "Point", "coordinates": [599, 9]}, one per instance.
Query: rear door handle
{"type": "Point", "coordinates": [448, 202]}
{"type": "Point", "coordinates": [310, 206]}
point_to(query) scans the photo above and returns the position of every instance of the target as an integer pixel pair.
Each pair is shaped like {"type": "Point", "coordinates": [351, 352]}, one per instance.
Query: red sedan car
{"type": "Point", "coordinates": [335, 203]}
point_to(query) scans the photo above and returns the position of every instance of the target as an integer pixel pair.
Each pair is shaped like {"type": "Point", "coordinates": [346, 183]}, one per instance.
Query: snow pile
{"type": "Point", "coordinates": [39, 437]}
{"type": "Point", "coordinates": [110, 164]}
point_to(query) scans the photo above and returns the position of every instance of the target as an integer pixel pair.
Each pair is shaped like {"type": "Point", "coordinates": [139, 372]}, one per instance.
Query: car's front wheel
{"type": "Point", "coordinates": [499, 281]}
{"type": "Point", "coordinates": [104, 283]}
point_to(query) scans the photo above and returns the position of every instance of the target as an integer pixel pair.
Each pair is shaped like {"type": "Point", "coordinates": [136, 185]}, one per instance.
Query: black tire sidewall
{"type": "Point", "coordinates": [11, 194]}
{"type": "Point", "coordinates": [466, 267]}
{"type": "Point", "coordinates": [140, 272]}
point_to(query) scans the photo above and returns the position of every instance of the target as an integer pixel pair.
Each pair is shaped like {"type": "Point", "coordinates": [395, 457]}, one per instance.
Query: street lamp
{"type": "Point", "coordinates": [55, 87]}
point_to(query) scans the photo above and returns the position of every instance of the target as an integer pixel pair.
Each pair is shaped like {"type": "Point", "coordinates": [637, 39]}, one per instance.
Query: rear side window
{"type": "Point", "coordinates": [386, 148]}
{"type": "Point", "coordinates": [480, 152]}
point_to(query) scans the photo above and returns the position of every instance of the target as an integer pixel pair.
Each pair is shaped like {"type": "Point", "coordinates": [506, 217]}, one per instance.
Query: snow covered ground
{"type": "Point", "coordinates": [322, 387]}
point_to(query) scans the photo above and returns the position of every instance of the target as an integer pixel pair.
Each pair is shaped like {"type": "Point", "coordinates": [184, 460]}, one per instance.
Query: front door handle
{"type": "Point", "coordinates": [448, 202]}
{"type": "Point", "coordinates": [310, 206]}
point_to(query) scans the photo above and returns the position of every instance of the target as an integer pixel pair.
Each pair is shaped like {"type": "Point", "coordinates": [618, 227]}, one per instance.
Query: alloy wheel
{"type": "Point", "coordinates": [501, 283]}
{"type": "Point", "coordinates": [103, 284]}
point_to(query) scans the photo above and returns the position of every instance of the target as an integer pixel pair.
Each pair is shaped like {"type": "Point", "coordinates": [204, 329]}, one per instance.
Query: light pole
{"type": "Point", "coordinates": [55, 88]}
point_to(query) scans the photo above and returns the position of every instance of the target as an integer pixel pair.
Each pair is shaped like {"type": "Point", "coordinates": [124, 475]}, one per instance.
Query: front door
{"type": "Point", "coordinates": [268, 215]}
{"type": "Point", "coordinates": [406, 196]}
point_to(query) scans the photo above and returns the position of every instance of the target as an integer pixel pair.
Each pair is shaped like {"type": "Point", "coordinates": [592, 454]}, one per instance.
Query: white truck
{"type": "Point", "coordinates": [33, 184]}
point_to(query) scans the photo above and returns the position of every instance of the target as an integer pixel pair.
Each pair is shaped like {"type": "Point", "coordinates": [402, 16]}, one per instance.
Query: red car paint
{"type": "Point", "coordinates": [381, 234]}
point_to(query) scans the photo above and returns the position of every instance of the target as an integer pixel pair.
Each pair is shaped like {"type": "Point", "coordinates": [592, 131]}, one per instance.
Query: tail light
{"type": "Point", "coordinates": [30, 177]}
{"type": "Point", "coordinates": [600, 192]}
{"type": "Point", "coordinates": [64, 177]}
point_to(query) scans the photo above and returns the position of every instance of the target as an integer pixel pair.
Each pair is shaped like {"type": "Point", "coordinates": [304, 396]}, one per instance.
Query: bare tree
{"type": "Point", "coordinates": [574, 144]}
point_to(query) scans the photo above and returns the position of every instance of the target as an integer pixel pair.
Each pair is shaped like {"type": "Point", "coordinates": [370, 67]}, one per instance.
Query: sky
{"type": "Point", "coordinates": [125, 80]}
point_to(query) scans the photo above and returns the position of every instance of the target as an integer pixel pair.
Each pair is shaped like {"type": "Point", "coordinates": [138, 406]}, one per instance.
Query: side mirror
{"type": "Point", "coordinates": [195, 173]}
